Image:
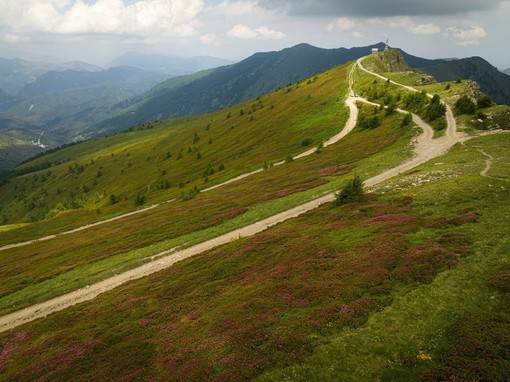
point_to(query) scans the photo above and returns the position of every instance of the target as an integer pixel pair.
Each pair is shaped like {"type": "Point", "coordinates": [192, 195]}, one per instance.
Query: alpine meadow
{"type": "Point", "coordinates": [349, 225]}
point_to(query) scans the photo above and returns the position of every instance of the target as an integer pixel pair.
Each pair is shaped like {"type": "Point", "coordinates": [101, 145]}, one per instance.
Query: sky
{"type": "Point", "coordinates": [96, 31]}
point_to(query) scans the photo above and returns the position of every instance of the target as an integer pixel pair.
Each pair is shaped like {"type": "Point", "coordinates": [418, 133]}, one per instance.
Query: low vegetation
{"type": "Point", "coordinates": [352, 192]}
{"type": "Point", "coordinates": [404, 281]}
{"type": "Point", "coordinates": [156, 159]}
{"type": "Point", "coordinates": [392, 97]}
{"type": "Point", "coordinates": [69, 263]}
{"type": "Point", "coordinates": [347, 296]}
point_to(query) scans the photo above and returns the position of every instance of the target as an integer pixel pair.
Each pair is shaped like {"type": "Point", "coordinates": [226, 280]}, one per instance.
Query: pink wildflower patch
{"type": "Point", "coordinates": [59, 362]}
{"type": "Point", "coordinates": [381, 219]}
{"type": "Point", "coordinates": [467, 218]}
{"type": "Point", "coordinates": [10, 346]}
{"type": "Point", "coordinates": [281, 193]}
{"type": "Point", "coordinates": [299, 303]}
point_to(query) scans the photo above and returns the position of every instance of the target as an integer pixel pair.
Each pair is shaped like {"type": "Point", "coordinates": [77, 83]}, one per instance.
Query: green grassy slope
{"type": "Point", "coordinates": [409, 285]}
{"type": "Point", "coordinates": [166, 158]}
{"type": "Point", "coordinates": [349, 304]}
{"type": "Point", "coordinates": [52, 267]}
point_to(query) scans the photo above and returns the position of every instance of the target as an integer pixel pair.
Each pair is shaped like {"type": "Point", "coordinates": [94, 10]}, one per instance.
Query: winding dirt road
{"type": "Point", "coordinates": [350, 124]}
{"type": "Point", "coordinates": [425, 148]}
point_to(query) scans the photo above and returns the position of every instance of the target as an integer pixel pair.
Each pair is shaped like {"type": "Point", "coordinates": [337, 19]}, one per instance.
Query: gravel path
{"type": "Point", "coordinates": [350, 124]}
{"type": "Point", "coordinates": [425, 148]}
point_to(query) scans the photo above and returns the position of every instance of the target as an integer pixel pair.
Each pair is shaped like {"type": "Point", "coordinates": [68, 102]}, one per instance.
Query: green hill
{"type": "Point", "coordinates": [491, 81]}
{"type": "Point", "coordinates": [229, 85]}
{"type": "Point", "coordinates": [165, 159]}
{"type": "Point", "coordinates": [408, 282]}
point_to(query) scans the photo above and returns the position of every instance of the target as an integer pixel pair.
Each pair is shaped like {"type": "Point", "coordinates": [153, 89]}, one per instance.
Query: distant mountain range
{"type": "Point", "coordinates": [507, 71]}
{"type": "Point", "coordinates": [18, 141]}
{"type": "Point", "coordinates": [168, 65]}
{"type": "Point", "coordinates": [15, 73]}
{"type": "Point", "coordinates": [135, 79]}
{"type": "Point", "coordinates": [490, 79]}
{"type": "Point", "coordinates": [63, 100]}
{"type": "Point", "coordinates": [259, 74]}
{"type": "Point", "coordinates": [75, 100]}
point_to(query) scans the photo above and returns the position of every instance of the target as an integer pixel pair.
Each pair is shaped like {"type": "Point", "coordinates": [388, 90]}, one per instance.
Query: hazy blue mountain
{"type": "Point", "coordinates": [65, 114]}
{"type": "Point", "coordinates": [7, 100]}
{"type": "Point", "coordinates": [19, 140]}
{"type": "Point", "coordinates": [66, 103]}
{"type": "Point", "coordinates": [491, 81]}
{"type": "Point", "coordinates": [137, 80]}
{"type": "Point", "coordinates": [15, 72]}
{"type": "Point", "coordinates": [168, 65]}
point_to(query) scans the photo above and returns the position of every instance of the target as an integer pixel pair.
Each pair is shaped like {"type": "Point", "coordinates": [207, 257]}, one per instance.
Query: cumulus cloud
{"type": "Point", "coordinates": [342, 23]}
{"type": "Point", "coordinates": [209, 39]}
{"type": "Point", "coordinates": [244, 32]}
{"type": "Point", "coordinates": [408, 24]}
{"type": "Point", "coordinates": [79, 17]}
{"type": "Point", "coordinates": [368, 8]}
{"type": "Point", "coordinates": [466, 36]}
{"type": "Point", "coordinates": [425, 29]}
{"type": "Point", "coordinates": [14, 38]}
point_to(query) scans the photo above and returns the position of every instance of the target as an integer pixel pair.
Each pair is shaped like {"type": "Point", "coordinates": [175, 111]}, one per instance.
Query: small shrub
{"type": "Point", "coordinates": [190, 194]}
{"type": "Point", "coordinates": [319, 148]}
{"type": "Point", "coordinates": [435, 109]}
{"type": "Point", "coordinates": [353, 191]}
{"type": "Point", "coordinates": [289, 159]}
{"type": "Point", "coordinates": [306, 142]}
{"type": "Point", "coordinates": [408, 119]}
{"type": "Point", "coordinates": [465, 105]}
{"type": "Point", "coordinates": [140, 199]}
{"type": "Point", "coordinates": [484, 101]}
{"type": "Point", "coordinates": [481, 115]}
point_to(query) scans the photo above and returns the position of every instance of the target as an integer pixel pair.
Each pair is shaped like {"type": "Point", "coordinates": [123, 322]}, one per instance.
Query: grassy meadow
{"type": "Point", "coordinates": [349, 304]}
{"type": "Point", "coordinates": [164, 159]}
{"type": "Point", "coordinates": [49, 268]}
{"type": "Point", "coordinates": [409, 284]}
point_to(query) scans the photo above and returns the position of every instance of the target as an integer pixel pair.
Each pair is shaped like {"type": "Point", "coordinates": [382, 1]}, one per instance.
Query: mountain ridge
{"type": "Point", "coordinates": [256, 75]}
{"type": "Point", "coordinates": [491, 81]}
{"type": "Point", "coordinates": [169, 65]}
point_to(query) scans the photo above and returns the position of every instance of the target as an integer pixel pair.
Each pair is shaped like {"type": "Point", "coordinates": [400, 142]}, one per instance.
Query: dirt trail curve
{"type": "Point", "coordinates": [425, 149]}
{"type": "Point", "coordinates": [350, 124]}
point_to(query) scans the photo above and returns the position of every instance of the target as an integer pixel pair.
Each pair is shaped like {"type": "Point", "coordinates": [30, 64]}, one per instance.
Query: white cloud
{"type": "Point", "coordinates": [77, 17]}
{"type": "Point", "coordinates": [466, 36]}
{"type": "Point", "coordinates": [425, 29]}
{"type": "Point", "coordinates": [374, 21]}
{"type": "Point", "coordinates": [342, 23]}
{"type": "Point", "coordinates": [209, 39]}
{"type": "Point", "coordinates": [400, 22]}
{"type": "Point", "coordinates": [14, 38]}
{"type": "Point", "coordinates": [246, 33]}
{"type": "Point", "coordinates": [269, 34]}
{"type": "Point", "coordinates": [407, 23]}
{"type": "Point", "coordinates": [357, 34]}
{"type": "Point", "coordinates": [242, 32]}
